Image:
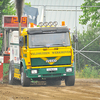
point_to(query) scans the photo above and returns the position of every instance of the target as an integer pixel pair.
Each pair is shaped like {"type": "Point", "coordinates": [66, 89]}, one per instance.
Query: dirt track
{"type": "Point", "coordinates": [84, 89]}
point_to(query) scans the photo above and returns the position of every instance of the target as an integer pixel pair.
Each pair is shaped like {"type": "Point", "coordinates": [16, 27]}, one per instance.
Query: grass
{"type": "Point", "coordinates": [89, 72]}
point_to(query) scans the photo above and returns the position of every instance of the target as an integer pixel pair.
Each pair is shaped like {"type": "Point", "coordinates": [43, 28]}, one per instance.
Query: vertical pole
{"type": "Point", "coordinates": [44, 17]}
{"type": "Point", "coordinates": [75, 56]}
{"type": "Point", "coordinates": [4, 39]}
{"type": "Point", "coordinates": [78, 59]}
{"type": "Point", "coordinates": [19, 27]}
{"type": "Point", "coordinates": [7, 38]}
{"type": "Point", "coordinates": [76, 35]}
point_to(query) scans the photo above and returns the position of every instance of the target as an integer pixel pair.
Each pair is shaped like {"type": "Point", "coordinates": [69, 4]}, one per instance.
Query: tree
{"type": "Point", "coordinates": [90, 13]}
{"type": "Point", "coordinates": [29, 4]}
{"type": "Point", "coordinates": [6, 8]}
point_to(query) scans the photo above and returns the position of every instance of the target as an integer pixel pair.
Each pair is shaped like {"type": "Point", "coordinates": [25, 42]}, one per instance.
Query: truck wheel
{"type": "Point", "coordinates": [53, 82]}
{"type": "Point", "coordinates": [70, 80]}
{"type": "Point", "coordinates": [12, 81]}
{"type": "Point", "coordinates": [24, 80]}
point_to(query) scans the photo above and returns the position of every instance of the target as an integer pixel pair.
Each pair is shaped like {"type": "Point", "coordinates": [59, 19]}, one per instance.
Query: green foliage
{"type": "Point", "coordinates": [90, 13]}
{"type": "Point", "coordinates": [29, 4]}
{"type": "Point", "coordinates": [89, 72]}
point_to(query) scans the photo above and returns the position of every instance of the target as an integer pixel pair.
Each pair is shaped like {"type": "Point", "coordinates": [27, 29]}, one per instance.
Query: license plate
{"type": "Point", "coordinates": [51, 69]}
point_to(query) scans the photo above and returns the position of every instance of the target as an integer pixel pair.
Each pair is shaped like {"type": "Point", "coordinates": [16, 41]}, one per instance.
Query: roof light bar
{"type": "Point", "coordinates": [45, 24]}
{"type": "Point", "coordinates": [50, 23]}
{"type": "Point", "coordinates": [41, 24]}
{"type": "Point", "coordinates": [55, 23]}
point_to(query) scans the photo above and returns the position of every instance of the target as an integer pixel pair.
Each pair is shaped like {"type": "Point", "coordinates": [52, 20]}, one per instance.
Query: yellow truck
{"type": "Point", "coordinates": [43, 53]}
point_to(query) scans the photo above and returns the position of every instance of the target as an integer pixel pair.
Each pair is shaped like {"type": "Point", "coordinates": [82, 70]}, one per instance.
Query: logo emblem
{"type": "Point", "coordinates": [51, 60]}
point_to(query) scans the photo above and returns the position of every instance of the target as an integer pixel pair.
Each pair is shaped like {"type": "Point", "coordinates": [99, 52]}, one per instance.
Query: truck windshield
{"type": "Point", "coordinates": [49, 40]}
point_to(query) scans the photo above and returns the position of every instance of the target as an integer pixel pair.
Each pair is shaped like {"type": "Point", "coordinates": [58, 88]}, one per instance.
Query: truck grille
{"type": "Point", "coordinates": [65, 60]}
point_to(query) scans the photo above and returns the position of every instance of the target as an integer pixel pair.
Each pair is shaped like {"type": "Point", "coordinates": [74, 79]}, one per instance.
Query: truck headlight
{"type": "Point", "coordinates": [34, 71]}
{"type": "Point", "coordinates": [68, 69]}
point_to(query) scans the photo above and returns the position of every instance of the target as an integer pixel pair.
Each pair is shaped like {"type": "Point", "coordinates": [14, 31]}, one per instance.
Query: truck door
{"type": "Point", "coordinates": [25, 47]}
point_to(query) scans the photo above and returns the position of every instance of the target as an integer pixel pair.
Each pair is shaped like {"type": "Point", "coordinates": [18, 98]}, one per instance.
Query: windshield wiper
{"type": "Point", "coordinates": [39, 45]}
{"type": "Point", "coordinates": [58, 44]}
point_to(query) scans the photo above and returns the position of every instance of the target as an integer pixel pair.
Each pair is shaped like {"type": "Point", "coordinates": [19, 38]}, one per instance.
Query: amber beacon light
{"type": "Point", "coordinates": [63, 23]}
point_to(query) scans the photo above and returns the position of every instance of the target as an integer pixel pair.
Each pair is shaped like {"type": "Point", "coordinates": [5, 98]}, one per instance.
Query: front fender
{"type": "Point", "coordinates": [23, 64]}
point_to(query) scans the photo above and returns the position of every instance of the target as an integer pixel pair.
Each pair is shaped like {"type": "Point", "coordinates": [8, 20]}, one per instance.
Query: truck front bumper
{"type": "Point", "coordinates": [50, 72]}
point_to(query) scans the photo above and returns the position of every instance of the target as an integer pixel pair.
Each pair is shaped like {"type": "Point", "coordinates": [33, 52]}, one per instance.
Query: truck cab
{"type": "Point", "coordinates": [46, 54]}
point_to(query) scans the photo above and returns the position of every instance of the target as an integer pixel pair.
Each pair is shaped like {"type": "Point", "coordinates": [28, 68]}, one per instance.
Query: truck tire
{"type": "Point", "coordinates": [53, 82]}
{"type": "Point", "coordinates": [11, 80]}
{"type": "Point", "coordinates": [24, 80]}
{"type": "Point", "coordinates": [70, 80]}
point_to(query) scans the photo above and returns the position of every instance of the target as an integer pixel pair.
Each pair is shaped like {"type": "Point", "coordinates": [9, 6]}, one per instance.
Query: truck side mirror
{"type": "Point", "coordinates": [21, 43]}
{"type": "Point", "coordinates": [75, 38]}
